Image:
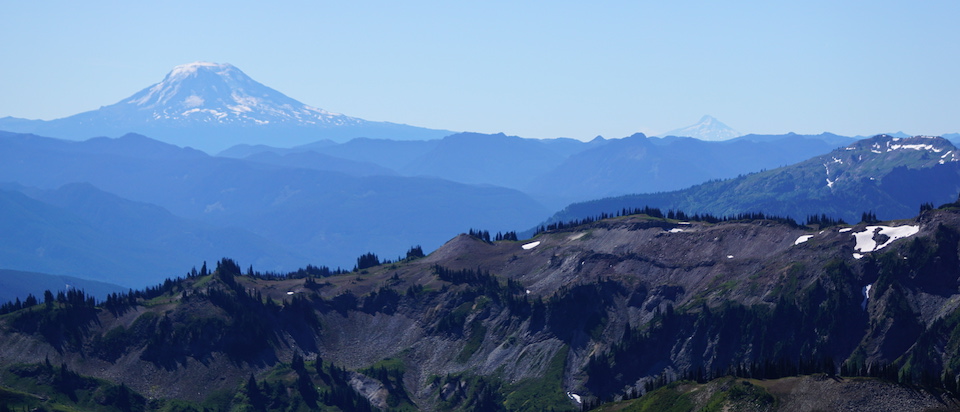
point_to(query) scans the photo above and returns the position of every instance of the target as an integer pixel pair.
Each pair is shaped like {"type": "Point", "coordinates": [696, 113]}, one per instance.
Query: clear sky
{"type": "Point", "coordinates": [528, 68]}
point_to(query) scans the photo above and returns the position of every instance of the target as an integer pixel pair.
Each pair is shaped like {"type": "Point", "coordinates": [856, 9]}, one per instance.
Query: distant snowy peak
{"type": "Point", "coordinates": [215, 93]}
{"type": "Point", "coordinates": [933, 145]}
{"type": "Point", "coordinates": [875, 157]}
{"type": "Point", "coordinates": [708, 128]}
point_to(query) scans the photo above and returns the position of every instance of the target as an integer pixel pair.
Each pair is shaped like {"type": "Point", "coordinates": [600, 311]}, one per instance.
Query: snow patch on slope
{"type": "Point", "coordinates": [866, 295]}
{"type": "Point", "coordinates": [865, 239]}
{"type": "Point", "coordinates": [531, 245]}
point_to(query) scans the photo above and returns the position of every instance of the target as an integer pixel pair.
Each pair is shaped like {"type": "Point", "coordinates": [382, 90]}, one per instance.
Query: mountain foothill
{"type": "Point", "coordinates": [231, 248]}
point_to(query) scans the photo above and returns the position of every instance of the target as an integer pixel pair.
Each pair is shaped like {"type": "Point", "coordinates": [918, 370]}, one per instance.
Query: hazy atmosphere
{"type": "Point", "coordinates": [537, 69]}
{"type": "Point", "coordinates": [404, 206]}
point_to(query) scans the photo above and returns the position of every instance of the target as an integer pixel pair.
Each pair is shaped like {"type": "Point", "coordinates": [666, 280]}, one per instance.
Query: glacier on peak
{"type": "Point", "coordinates": [204, 92]}
{"type": "Point", "coordinates": [212, 106]}
{"type": "Point", "coordinates": [191, 68]}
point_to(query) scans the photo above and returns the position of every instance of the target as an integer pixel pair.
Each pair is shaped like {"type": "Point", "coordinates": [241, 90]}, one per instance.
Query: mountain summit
{"type": "Point", "coordinates": [212, 106]}
{"type": "Point", "coordinates": [708, 128]}
{"type": "Point", "coordinates": [204, 92]}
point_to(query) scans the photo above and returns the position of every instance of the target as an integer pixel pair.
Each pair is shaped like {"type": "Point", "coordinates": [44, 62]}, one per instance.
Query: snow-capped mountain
{"type": "Point", "coordinates": [708, 128]}
{"type": "Point", "coordinates": [205, 92]}
{"type": "Point", "coordinates": [212, 106]}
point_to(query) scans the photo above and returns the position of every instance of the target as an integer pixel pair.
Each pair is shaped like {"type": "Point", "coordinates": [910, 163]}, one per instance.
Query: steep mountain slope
{"type": "Point", "coordinates": [610, 308]}
{"type": "Point", "coordinates": [327, 216]}
{"type": "Point", "coordinates": [213, 106]}
{"type": "Point", "coordinates": [887, 175]}
{"type": "Point", "coordinates": [638, 164]}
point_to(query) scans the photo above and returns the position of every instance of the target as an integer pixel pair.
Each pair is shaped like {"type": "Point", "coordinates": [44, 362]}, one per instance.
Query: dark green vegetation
{"type": "Point", "coordinates": [888, 176]}
{"type": "Point", "coordinates": [607, 310]}
{"type": "Point", "coordinates": [805, 392]}
{"type": "Point", "coordinates": [44, 386]}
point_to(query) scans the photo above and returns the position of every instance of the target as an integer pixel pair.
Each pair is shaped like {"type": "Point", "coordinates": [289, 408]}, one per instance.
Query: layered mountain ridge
{"type": "Point", "coordinates": [588, 313]}
{"type": "Point", "coordinates": [280, 216]}
{"type": "Point", "coordinates": [890, 176]}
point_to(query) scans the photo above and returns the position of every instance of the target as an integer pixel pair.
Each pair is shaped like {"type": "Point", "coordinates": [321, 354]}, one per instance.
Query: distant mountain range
{"type": "Point", "coordinates": [327, 203]}
{"type": "Point", "coordinates": [887, 175]}
{"type": "Point", "coordinates": [558, 172]}
{"type": "Point", "coordinates": [81, 231]}
{"type": "Point", "coordinates": [211, 106]}
{"type": "Point", "coordinates": [111, 205]}
{"type": "Point", "coordinates": [295, 184]}
{"type": "Point", "coordinates": [215, 106]}
{"type": "Point", "coordinates": [708, 128]}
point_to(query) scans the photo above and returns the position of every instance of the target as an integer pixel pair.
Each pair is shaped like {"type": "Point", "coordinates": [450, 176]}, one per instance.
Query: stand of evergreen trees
{"type": "Point", "coordinates": [671, 215]}
{"type": "Point", "coordinates": [484, 235]}
{"type": "Point", "coordinates": [823, 220]}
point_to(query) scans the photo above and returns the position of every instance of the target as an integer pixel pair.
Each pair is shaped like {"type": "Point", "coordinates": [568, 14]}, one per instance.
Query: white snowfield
{"type": "Point", "coordinates": [676, 230]}
{"type": "Point", "coordinates": [802, 239]}
{"type": "Point", "coordinates": [866, 244]}
{"type": "Point", "coordinates": [574, 397]}
{"type": "Point", "coordinates": [897, 144]}
{"type": "Point", "coordinates": [915, 147]}
{"type": "Point", "coordinates": [531, 245]}
{"type": "Point", "coordinates": [248, 102]}
{"type": "Point", "coordinates": [866, 296]}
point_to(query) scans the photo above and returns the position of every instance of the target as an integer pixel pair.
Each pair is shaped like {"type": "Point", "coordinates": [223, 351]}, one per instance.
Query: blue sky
{"type": "Point", "coordinates": [533, 69]}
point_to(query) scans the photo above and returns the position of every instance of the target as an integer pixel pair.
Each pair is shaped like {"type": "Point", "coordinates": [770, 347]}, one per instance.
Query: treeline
{"type": "Point", "coordinates": [62, 320]}
{"type": "Point", "coordinates": [670, 214]}
{"type": "Point", "coordinates": [118, 302]}
{"type": "Point", "coordinates": [823, 220]}
{"type": "Point", "coordinates": [484, 235]}
{"type": "Point", "coordinates": [369, 260]}
{"type": "Point", "coordinates": [168, 342]}
{"type": "Point", "coordinates": [71, 297]}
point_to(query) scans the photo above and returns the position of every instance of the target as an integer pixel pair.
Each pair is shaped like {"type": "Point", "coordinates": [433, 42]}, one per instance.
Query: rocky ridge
{"type": "Point", "coordinates": [599, 310]}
